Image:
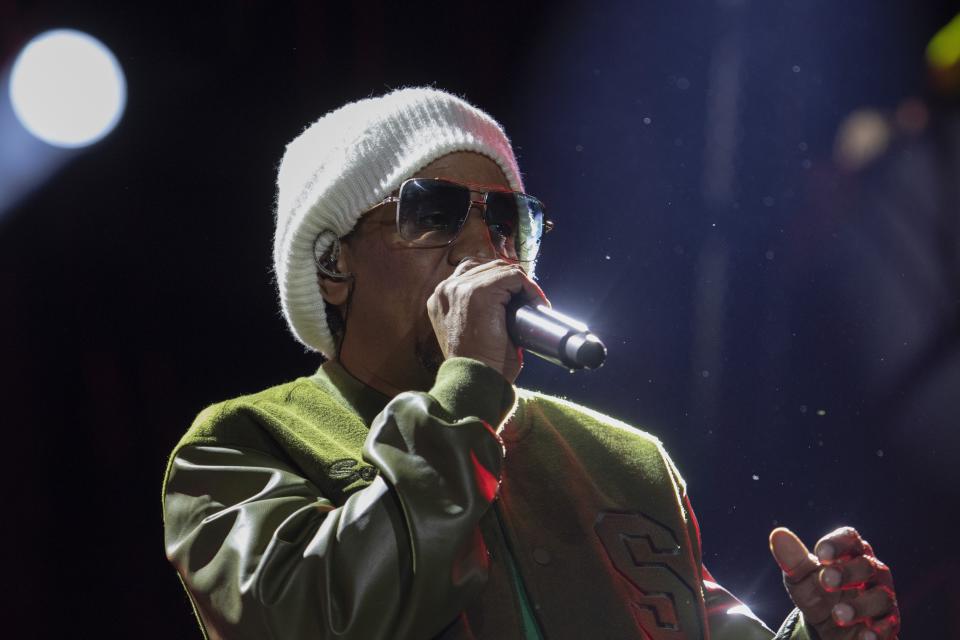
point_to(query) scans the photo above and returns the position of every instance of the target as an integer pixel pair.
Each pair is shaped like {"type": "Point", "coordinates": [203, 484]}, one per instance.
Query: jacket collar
{"type": "Point", "coordinates": [365, 401]}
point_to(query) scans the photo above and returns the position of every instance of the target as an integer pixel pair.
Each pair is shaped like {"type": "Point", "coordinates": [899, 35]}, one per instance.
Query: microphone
{"type": "Point", "coordinates": [553, 336]}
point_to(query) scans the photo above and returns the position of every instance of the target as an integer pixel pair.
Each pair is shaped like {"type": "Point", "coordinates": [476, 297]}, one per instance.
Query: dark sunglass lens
{"type": "Point", "coordinates": [431, 211]}
{"type": "Point", "coordinates": [502, 213]}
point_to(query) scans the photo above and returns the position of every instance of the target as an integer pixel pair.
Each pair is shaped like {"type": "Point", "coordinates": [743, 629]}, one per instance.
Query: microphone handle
{"type": "Point", "coordinates": [553, 336]}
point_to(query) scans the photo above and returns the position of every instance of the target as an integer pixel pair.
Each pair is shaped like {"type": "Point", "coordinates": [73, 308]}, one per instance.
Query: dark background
{"type": "Point", "coordinates": [789, 328]}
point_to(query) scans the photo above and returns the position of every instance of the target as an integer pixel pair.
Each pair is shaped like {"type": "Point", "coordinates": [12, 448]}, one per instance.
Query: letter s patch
{"type": "Point", "coordinates": [647, 554]}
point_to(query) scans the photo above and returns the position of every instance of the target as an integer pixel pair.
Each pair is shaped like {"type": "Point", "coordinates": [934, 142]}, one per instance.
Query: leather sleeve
{"type": "Point", "coordinates": [728, 617]}
{"type": "Point", "coordinates": [264, 555]}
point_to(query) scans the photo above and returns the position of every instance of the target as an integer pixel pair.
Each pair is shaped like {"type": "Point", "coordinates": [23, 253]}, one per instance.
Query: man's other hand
{"type": "Point", "coordinates": [844, 591]}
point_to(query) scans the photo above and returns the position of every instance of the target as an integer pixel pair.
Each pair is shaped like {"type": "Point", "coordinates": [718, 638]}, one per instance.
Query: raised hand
{"type": "Point", "coordinates": [844, 591]}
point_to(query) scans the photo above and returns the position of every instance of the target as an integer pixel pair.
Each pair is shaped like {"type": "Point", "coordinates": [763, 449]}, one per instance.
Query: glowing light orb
{"type": "Point", "coordinates": [67, 88]}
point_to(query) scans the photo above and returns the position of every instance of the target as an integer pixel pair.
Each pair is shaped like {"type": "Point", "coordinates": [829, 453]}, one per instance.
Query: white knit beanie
{"type": "Point", "coordinates": [348, 161]}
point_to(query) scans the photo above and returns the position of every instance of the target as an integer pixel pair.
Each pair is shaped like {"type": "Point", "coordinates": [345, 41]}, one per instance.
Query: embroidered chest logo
{"type": "Point", "coordinates": [646, 553]}
{"type": "Point", "coordinates": [346, 471]}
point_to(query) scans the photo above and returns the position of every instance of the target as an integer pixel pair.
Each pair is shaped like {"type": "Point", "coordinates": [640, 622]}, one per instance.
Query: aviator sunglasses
{"type": "Point", "coordinates": [431, 212]}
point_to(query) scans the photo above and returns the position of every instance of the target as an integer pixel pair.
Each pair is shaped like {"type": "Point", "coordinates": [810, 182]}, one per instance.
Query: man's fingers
{"type": "Point", "coordinates": [534, 293]}
{"type": "Point", "coordinates": [865, 608]}
{"type": "Point", "coordinates": [791, 554]}
{"type": "Point", "coordinates": [474, 265]}
{"type": "Point", "coordinates": [854, 573]}
{"type": "Point", "coordinates": [887, 628]}
{"type": "Point", "coordinates": [513, 278]}
{"type": "Point", "coordinates": [840, 544]}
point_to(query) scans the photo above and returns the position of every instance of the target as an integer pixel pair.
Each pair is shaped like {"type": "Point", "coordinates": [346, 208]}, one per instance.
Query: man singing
{"type": "Point", "coordinates": [408, 489]}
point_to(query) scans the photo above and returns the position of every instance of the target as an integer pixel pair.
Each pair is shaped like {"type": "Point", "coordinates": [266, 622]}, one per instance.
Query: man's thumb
{"type": "Point", "coordinates": [791, 554]}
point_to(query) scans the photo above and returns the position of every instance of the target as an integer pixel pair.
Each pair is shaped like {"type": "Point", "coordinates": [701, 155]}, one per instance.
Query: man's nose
{"type": "Point", "coordinates": [474, 240]}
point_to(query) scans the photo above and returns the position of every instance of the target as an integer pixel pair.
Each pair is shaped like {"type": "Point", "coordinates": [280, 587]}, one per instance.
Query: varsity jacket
{"type": "Point", "coordinates": [323, 509]}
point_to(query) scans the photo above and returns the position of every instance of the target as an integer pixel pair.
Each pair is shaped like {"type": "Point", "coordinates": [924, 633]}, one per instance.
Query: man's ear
{"type": "Point", "coordinates": [335, 290]}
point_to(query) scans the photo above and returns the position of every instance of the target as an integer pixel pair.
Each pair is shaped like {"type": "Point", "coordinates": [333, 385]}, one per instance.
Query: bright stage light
{"type": "Point", "coordinates": [67, 88]}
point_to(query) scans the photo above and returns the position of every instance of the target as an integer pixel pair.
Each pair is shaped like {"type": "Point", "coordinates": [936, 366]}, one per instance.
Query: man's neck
{"type": "Point", "coordinates": [390, 375]}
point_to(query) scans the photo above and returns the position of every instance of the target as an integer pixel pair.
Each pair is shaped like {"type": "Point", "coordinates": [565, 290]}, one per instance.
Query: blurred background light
{"type": "Point", "coordinates": [943, 57]}
{"type": "Point", "coordinates": [944, 48]}
{"type": "Point", "coordinates": [67, 88]}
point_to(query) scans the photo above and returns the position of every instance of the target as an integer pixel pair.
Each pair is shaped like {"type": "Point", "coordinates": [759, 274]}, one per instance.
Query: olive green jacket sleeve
{"type": "Point", "coordinates": [264, 555]}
